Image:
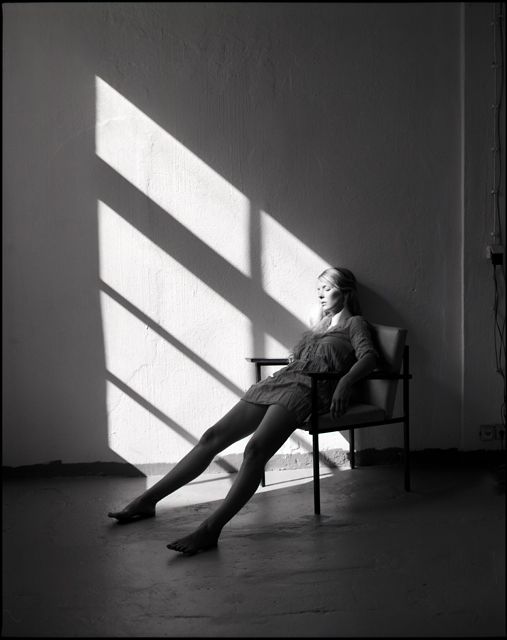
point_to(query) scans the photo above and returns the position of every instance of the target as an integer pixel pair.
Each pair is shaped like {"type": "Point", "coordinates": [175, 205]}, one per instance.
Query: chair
{"type": "Point", "coordinates": [372, 401]}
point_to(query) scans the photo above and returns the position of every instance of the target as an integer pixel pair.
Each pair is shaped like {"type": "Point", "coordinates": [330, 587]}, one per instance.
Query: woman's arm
{"type": "Point", "coordinates": [361, 368]}
{"type": "Point", "coordinates": [341, 395]}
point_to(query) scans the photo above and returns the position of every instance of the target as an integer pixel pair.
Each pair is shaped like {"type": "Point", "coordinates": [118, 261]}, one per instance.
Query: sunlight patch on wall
{"type": "Point", "coordinates": [289, 268]}
{"type": "Point", "coordinates": [273, 348]}
{"type": "Point", "coordinates": [175, 347]}
{"type": "Point", "coordinates": [174, 298]}
{"type": "Point", "coordinates": [136, 434]}
{"type": "Point", "coordinates": [172, 176]}
{"type": "Point", "coordinates": [161, 375]}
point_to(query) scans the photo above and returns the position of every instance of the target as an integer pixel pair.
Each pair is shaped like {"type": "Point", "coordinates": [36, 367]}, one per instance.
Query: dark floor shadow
{"type": "Point", "coordinates": [309, 478]}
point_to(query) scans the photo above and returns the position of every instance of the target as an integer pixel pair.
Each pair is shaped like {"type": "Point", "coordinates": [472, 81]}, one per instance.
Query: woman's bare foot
{"type": "Point", "coordinates": [136, 510]}
{"type": "Point", "coordinates": [202, 539]}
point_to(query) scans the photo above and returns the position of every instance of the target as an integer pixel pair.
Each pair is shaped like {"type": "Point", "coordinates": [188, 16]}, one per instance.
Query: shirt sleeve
{"type": "Point", "coordinates": [360, 337]}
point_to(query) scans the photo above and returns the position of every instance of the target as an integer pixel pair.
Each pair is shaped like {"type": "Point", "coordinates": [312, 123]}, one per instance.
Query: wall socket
{"type": "Point", "coordinates": [491, 432]}
{"type": "Point", "coordinates": [494, 252]}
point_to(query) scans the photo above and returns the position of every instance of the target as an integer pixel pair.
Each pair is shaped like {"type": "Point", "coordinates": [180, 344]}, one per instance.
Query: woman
{"type": "Point", "coordinates": [271, 409]}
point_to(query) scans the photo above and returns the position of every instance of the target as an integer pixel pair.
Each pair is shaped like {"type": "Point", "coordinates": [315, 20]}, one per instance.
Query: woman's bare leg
{"type": "Point", "coordinates": [273, 431]}
{"type": "Point", "coordinates": [239, 422]}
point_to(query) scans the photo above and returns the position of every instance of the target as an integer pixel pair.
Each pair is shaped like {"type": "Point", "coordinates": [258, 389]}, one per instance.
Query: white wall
{"type": "Point", "coordinates": [176, 175]}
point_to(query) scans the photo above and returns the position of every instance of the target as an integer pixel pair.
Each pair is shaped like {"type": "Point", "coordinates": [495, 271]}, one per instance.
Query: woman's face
{"type": "Point", "coordinates": [331, 298]}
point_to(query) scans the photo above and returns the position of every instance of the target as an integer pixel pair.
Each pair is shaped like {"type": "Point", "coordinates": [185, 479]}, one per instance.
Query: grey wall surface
{"type": "Point", "coordinates": [346, 122]}
{"type": "Point", "coordinates": [482, 385]}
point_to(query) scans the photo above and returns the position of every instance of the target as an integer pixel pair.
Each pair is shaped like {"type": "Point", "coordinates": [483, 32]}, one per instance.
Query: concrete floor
{"type": "Point", "coordinates": [377, 563]}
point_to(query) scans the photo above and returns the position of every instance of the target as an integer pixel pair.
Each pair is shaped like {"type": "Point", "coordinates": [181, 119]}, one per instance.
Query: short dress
{"type": "Point", "coordinates": [319, 350]}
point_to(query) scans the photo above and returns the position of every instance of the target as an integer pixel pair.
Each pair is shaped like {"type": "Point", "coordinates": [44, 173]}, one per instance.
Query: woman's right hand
{"type": "Point", "coordinates": [341, 398]}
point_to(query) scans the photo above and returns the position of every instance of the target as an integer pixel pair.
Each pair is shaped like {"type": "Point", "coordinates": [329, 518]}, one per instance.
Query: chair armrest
{"type": "Point", "coordinates": [384, 375]}
{"type": "Point", "coordinates": [266, 361]}
{"type": "Point", "coordinates": [375, 375]}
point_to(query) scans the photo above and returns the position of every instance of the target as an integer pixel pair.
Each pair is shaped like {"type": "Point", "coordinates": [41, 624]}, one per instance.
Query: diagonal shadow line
{"type": "Point", "coordinates": [163, 418]}
{"type": "Point", "coordinates": [135, 311]}
{"type": "Point", "coordinates": [258, 336]}
{"type": "Point", "coordinates": [191, 252]}
{"type": "Point", "coordinates": [258, 342]}
{"type": "Point", "coordinates": [155, 118]}
{"type": "Point", "coordinates": [322, 456]}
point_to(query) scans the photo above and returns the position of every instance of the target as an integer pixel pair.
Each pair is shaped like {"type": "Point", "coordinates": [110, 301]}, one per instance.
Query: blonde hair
{"type": "Point", "coordinates": [344, 280]}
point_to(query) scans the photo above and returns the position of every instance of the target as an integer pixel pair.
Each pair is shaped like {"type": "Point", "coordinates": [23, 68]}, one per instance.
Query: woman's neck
{"type": "Point", "coordinates": [339, 318]}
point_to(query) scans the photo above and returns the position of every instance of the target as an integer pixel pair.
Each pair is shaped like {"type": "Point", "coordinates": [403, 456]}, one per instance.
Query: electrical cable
{"type": "Point", "coordinates": [499, 324]}
{"type": "Point", "coordinates": [500, 346]}
{"type": "Point", "coordinates": [499, 73]}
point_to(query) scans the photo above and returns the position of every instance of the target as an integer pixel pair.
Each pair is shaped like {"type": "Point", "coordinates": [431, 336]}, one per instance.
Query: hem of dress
{"type": "Point", "coordinates": [268, 404]}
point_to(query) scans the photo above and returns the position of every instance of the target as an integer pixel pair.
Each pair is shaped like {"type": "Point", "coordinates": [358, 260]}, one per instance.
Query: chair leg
{"type": "Point", "coordinates": [406, 415]}
{"type": "Point", "coordinates": [316, 475]}
{"type": "Point", "coordinates": [352, 449]}
{"type": "Point", "coordinates": [258, 379]}
{"type": "Point", "coordinates": [406, 454]}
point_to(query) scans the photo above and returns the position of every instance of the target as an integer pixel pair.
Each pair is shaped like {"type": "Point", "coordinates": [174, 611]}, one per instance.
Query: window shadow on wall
{"type": "Point", "coordinates": [218, 114]}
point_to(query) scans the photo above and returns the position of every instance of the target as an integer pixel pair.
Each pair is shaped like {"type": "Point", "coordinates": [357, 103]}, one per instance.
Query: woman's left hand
{"type": "Point", "coordinates": [340, 399]}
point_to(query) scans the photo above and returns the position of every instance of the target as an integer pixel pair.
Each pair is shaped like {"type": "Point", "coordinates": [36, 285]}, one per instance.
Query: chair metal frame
{"type": "Point", "coordinates": [313, 427]}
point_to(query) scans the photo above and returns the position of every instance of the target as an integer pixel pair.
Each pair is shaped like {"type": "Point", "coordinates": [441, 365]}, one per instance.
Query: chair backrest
{"type": "Point", "coordinates": [389, 342]}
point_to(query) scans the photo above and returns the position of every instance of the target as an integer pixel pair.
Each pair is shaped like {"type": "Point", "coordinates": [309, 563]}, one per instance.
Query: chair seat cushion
{"type": "Point", "coordinates": [355, 414]}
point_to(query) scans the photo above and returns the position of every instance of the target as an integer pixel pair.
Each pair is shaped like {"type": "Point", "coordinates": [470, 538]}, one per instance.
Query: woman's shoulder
{"type": "Point", "coordinates": [358, 322]}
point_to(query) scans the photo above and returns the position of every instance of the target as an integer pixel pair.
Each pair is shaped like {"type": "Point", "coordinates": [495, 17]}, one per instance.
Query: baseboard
{"type": "Point", "coordinates": [332, 459]}
{"type": "Point", "coordinates": [57, 468]}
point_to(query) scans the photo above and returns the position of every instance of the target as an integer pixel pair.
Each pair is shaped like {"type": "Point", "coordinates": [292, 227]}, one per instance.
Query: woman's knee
{"type": "Point", "coordinates": [274, 430]}
{"type": "Point", "coordinates": [255, 451]}
{"type": "Point", "coordinates": [212, 437]}
{"type": "Point", "coordinates": [220, 436]}
{"type": "Point", "coordinates": [239, 422]}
